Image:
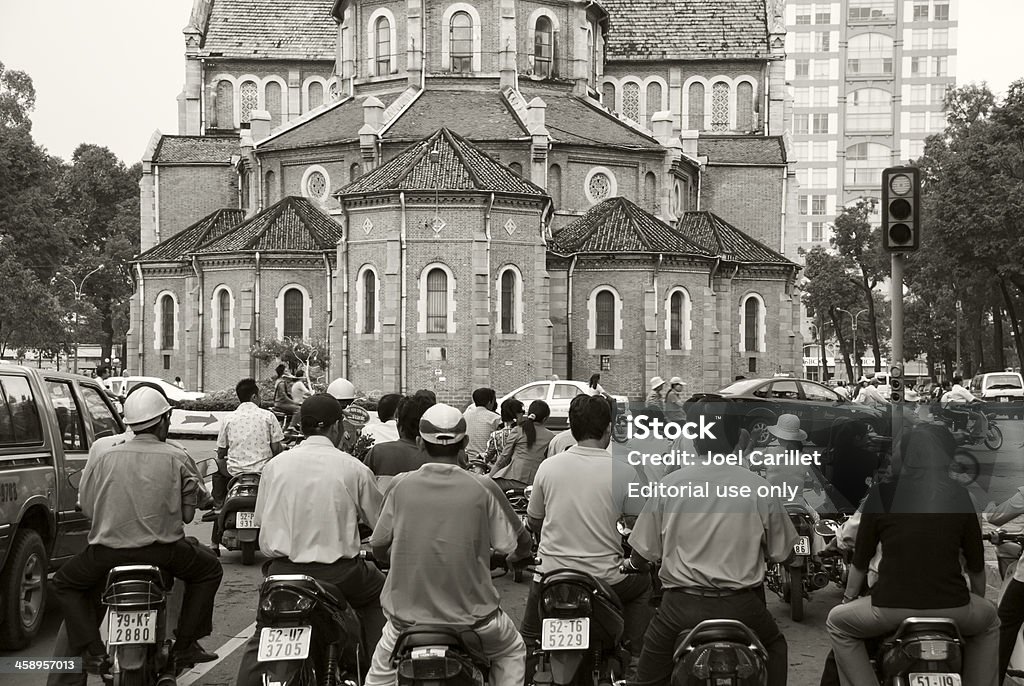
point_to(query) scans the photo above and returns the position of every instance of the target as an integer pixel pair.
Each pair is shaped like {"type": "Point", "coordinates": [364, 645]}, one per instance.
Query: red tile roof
{"type": "Point", "coordinates": [255, 29]}
{"type": "Point", "coordinates": [686, 29]}
{"type": "Point", "coordinates": [442, 161]}
{"type": "Point", "coordinates": [770, 150]}
{"type": "Point", "coordinates": [724, 240]}
{"type": "Point", "coordinates": [580, 121]}
{"type": "Point", "coordinates": [196, 149]}
{"type": "Point", "coordinates": [291, 225]}
{"type": "Point", "coordinates": [209, 228]}
{"type": "Point", "coordinates": [617, 225]}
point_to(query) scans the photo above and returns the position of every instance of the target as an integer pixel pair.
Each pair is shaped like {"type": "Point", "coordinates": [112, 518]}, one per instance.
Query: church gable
{"type": "Point", "coordinates": [619, 226]}
{"type": "Point", "coordinates": [292, 225]}
{"type": "Point", "coordinates": [207, 229]}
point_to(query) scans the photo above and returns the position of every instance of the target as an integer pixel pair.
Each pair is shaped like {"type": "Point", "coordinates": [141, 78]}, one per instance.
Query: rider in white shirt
{"type": "Point", "coordinates": [957, 398]}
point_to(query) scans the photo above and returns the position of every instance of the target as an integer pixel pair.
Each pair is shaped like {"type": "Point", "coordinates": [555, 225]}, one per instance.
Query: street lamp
{"type": "Point", "coordinates": [855, 317]}
{"type": "Point", "coordinates": [78, 298]}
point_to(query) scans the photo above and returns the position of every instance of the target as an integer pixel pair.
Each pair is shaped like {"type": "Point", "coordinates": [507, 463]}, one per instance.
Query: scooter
{"type": "Point", "coordinates": [429, 655]}
{"type": "Point", "coordinates": [804, 573]}
{"type": "Point", "coordinates": [309, 636]}
{"type": "Point", "coordinates": [720, 651]}
{"type": "Point", "coordinates": [992, 438]}
{"type": "Point", "coordinates": [141, 616]}
{"type": "Point", "coordinates": [581, 631]}
{"type": "Point", "coordinates": [236, 520]}
{"type": "Point", "coordinates": [519, 498]}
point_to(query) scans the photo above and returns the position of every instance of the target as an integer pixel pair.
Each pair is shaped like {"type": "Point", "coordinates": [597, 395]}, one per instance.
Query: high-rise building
{"type": "Point", "coordinates": [868, 78]}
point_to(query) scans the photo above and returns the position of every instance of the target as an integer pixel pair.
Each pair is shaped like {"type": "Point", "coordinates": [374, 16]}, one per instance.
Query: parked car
{"type": "Point", "coordinates": [817, 406]}
{"type": "Point", "coordinates": [1002, 391]}
{"type": "Point", "coordinates": [172, 392]}
{"type": "Point", "coordinates": [558, 395]}
{"type": "Point", "coordinates": [48, 420]}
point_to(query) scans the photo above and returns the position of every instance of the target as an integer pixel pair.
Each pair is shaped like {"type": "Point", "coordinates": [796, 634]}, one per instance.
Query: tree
{"type": "Point", "coordinates": [827, 290]}
{"type": "Point", "coordinates": [295, 353]}
{"type": "Point", "coordinates": [22, 325]}
{"type": "Point", "coordinates": [859, 244]}
{"type": "Point", "coordinates": [17, 98]}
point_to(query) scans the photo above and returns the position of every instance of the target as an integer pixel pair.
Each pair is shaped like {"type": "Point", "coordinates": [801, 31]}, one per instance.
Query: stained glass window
{"type": "Point", "coordinates": [720, 106]}
{"type": "Point", "coordinates": [631, 101]}
{"type": "Point", "coordinates": [316, 185]}
{"type": "Point", "coordinates": [249, 96]}
{"type": "Point", "coordinates": [599, 187]}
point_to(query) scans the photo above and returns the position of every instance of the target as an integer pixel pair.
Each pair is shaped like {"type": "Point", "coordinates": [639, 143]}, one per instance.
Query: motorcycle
{"type": "Point", "coordinates": [478, 465]}
{"type": "Point", "coordinates": [992, 438]}
{"type": "Point", "coordinates": [720, 651]}
{"type": "Point", "coordinates": [836, 563]}
{"type": "Point", "coordinates": [309, 634]}
{"type": "Point", "coordinates": [141, 616]}
{"type": "Point", "coordinates": [924, 650]}
{"type": "Point", "coordinates": [429, 655]}
{"type": "Point", "coordinates": [519, 498]}
{"type": "Point", "coordinates": [806, 571]}
{"type": "Point", "coordinates": [236, 519]}
{"type": "Point", "coordinates": [581, 631]}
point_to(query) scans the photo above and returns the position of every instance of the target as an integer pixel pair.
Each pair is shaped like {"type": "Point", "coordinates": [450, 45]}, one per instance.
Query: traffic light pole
{"type": "Point", "coordinates": [896, 284]}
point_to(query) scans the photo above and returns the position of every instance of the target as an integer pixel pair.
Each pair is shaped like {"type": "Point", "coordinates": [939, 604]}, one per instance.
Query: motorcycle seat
{"type": "Point", "coordinates": [912, 627]}
{"type": "Point", "coordinates": [582, 579]}
{"type": "Point", "coordinates": [717, 631]}
{"type": "Point", "coordinates": [313, 586]}
{"type": "Point", "coordinates": [431, 635]}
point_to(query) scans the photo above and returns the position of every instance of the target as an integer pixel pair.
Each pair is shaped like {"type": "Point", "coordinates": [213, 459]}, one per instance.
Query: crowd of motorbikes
{"type": "Point", "coordinates": [309, 635]}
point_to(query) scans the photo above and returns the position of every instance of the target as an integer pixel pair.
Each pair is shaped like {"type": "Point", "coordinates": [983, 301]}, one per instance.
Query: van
{"type": "Point", "coordinates": [48, 420]}
{"type": "Point", "coordinates": [1002, 391]}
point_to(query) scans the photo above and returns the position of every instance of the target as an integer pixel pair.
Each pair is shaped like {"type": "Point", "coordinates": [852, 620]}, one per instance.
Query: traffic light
{"type": "Point", "coordinates": [901, 209]}
{"type": "Point", "coordinates": [896, 385]}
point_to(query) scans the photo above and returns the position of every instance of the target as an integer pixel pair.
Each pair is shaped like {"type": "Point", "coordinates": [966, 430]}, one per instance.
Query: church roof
{"type": "Point", "coordinates": [195, 149]}
{"type": "Point", "coordinates": [580, 121]}
{"type": "Point", "coordinates": [686, 29]}
{"type": "Point", "coordinates": [291, 225]}
{"type": "Point", "coordinates": [619, 225]}
{"type": "Point", "coordinates": [458, 165]}
{"type": "Point", "coordinates": [295, 29]}
{"type": "Point", "coordinates": [481, 115]}
{"type": "Point", "coordinates": [209, 228]}
{"type": "Point", "coordinates": [769, 150]}
{"type": "Point", "coordinates": [724, 240]}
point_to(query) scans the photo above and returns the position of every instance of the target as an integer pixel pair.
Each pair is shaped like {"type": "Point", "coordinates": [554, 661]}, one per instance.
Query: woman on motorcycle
{"type": "Point", "coordinates": [525, 448]}
{"type": "Point", "coordinates": [511, 411]}
{"type": "Point", "coordinates": [920, 514]}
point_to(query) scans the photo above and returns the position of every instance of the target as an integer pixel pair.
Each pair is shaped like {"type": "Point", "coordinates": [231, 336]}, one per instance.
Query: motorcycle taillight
{"type": "Point", "coordinates": [436, 668]}
{"type": "Point", "coordinates": [929, 650]}
{"type": "Point", "coordinates": [723, 663]}
{"type": "Point", "coordinates": [561, 600]}
{"type": "Point", "coordinates": [243, 491]}
{"type": "Point", "coordinates": [284, 602]}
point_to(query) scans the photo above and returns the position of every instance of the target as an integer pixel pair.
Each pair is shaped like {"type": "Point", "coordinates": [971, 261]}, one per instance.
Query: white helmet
{"type": "Point", "coordinates": [342, 389]}
{"type": "Point", "coordinates": [144, 408]}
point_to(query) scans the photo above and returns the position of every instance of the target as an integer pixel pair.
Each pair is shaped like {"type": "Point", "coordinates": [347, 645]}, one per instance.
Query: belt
{"type": "Point", "coordinates": [714, 592]}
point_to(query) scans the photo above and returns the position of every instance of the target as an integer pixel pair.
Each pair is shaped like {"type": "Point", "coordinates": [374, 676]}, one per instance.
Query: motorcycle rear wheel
{"type": "Point", "coordinates": [248, 552]}
{"type": "Point", "coordinates": [133, 677]}
{"type": "Point", "coordinates": [796, 593]}
{"type": "Point", "coordinates": [993, 437]}
{"type": "Point", "coordinates": [965, 466]}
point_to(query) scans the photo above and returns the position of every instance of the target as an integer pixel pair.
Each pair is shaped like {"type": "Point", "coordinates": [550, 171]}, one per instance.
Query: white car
{"type": "Point", "coordinates": [170, 390]}
{"type": "Point", "coordinates": [558, 395]}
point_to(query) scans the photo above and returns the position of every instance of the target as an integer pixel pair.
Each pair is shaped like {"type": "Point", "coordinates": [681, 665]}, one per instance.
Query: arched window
{"type": "Point", "coordinates": [316, 95]}
{"type": "Point", "coordinates": [382, 39]}
{"type": "Point", "coordinates": [869, 54]}
{"type": "Point", "coordinates": [608, 95]}
{"type": "Point", "coordinates": [510, 291]}
{"type": "Point", "coordinates": [654, 102]}
{"type": "Point", "coordinates": [224, 117]}
{"type": "Point", "coordinates": [631, 100]}
{"type": "Point", "coordinates": [752, 325]}
{"type": "Point", "coordinates": [167, 321]}
{"type": "Point", "coordinates": [272, 95]}
{"type": "Point", "coordinates": [605, 311]}
{"type": "Point", "coordinates": [249, 100]}
{"type": "Point", "coordinates": [651, 192]}
{"type": "Point", "coordinates": [555, 185]}
{"type": "Point", "coordinates": [695, 112]}
{"type": "Point", "coordinates": [516, 167]}
{"type": "Point", "coordinates": [677, 328]}
{"type": "Point", "coordinates": [294, 313]}
{"type": "Point", "coordinates": [270, 189]}
{"type": "Point", "coordinates": [224, 319]}
{"type": "Point", "coordinates": [437, 301]}
{"type": "Point", "coordinates": [354, 172]}
{"type": "Point", "coordinates": [720, 106]}
{"type": "Point", "coordinates": [865, 162]}
{"type": "Point", "coordinates": [461, 42]}
{"type": "Point", "coordinates": [868, 109]}
{"type": "Point", "coordinates": [543, 44]}
{"type": "Point", "coordinates": [744, 106]}
{"type": "Point", "coordinates": [594, 51]}
{"type": "Point", "coordinates": [369, 322]}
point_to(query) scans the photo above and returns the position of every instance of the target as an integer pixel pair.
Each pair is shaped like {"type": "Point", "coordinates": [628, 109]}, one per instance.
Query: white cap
{"type": "Point", "coordinates": [442, 424]}
{"type": "Point", "coordinates": [342, 389]}
{"type": "Point", "coordinates": [144, 408]}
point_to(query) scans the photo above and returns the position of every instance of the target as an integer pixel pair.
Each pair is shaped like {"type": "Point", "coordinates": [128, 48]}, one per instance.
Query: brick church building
{"type": "Point", "coordinates": [455, 194]}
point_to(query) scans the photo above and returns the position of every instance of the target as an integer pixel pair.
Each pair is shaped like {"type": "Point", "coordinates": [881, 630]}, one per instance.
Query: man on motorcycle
{"type": "Point", "coordinates": [312, 501]}
{"type": "Point", "coordinates": [957, 401]}
{"type": "Point", "coordinates": [481, 421]}
{"type": "Point", "coordinates": [138, 496]}
{"type": "Point", "coordinates": [713, 551]}
{"type": "Point", "coordinates": [248, 438]}
{"type": "Point", "coordinates": [354, 418]}
{"type": "Point", "coordinates": [444, 578]}
{"type": "Point", "coordinates": [578, 498]}
{"type": "Point", "coordinates": [387, 460]}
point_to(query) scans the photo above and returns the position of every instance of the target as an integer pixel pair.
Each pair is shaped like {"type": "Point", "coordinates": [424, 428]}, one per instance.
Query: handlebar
{"type": "Point", "coordinates": [998, 537]}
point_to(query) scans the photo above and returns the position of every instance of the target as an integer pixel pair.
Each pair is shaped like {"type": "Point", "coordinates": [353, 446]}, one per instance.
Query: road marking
{"type": "Point", "coordinates": [233, 644]}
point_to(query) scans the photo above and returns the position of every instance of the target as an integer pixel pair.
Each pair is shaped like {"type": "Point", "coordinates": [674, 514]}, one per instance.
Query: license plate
{"type": "Point", "coordinates": [565, 634]}
{"type": "Point", "coordinates": [802, 545]}
{"type": "Point", "coordinates": [428, 652]}
{"type": "Point", "coordinates": [1004, 400]}
{"type": "Point", "coordinates": [934, 679]}
{"type": "Point", "coordinates": [131, 627]}
{"type": "Point", "coordinates": [284, 644]}
{"type": "Point", "coordinates": [245, 520]}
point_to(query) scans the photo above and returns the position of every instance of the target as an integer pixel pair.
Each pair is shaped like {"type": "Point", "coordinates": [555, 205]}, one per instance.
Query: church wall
{"type": "Point", "coordinates": [748, 197]}
{"type": "Point", "coordinates": [687, 364]}
{"type": "Point", "coordinates": [292, 171]}
{"type": "Point", "coordinates": [490, 20]}
{"type": "Point", "coordinates": [363, 37]}
{"type": "Point", "coordinates": [782, 330]}
{"type": "Point", "coordinates": [310, 275]}
{"type": "Point", "coordinates": [293, 94]}
{"type": "Point", "coordinates": [224, 367]}
{"type": "Point", "coordinates": [167, 363]}
{"type": "Point", "coordinates": [189, 193]}
{"type": "Point", "coordinates": [576, 167]}
{"type": "Point", "coordinates": [563, 36]}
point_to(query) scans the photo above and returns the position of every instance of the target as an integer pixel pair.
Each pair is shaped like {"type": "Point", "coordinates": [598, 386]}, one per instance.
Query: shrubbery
{"type": "Point", "coordinates": [226, 400]}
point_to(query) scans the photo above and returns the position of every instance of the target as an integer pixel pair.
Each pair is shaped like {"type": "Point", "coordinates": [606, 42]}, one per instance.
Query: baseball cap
{"type": "Point", "coordinates": [442, 424]}
{"type": "Point", "coordinates": [320, 409]}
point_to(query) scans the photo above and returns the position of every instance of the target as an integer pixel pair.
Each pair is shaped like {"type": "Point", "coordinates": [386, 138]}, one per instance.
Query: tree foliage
{"type": "Point", "coordinates": [296, 353]}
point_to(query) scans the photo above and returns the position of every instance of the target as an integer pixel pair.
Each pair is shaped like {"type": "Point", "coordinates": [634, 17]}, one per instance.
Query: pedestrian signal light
{"type": "Point", "coordinates": [901, 209]}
